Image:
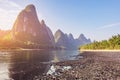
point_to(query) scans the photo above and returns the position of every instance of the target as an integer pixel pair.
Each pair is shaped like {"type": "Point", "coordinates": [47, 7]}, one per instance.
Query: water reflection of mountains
{"type": "Point", "coordinates": [25, 65]}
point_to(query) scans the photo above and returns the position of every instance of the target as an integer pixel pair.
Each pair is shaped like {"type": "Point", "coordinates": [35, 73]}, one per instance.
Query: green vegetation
{"type": "Point", "coordinates": [112, 43]}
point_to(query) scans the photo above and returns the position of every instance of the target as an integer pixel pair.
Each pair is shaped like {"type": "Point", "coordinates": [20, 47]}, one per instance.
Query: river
{"type": "Point", "coordinates": [26, 64]}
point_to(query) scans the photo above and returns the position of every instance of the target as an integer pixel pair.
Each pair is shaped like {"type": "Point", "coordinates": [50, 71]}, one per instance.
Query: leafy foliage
{"type": "Point", "coordinates": [112, 43]}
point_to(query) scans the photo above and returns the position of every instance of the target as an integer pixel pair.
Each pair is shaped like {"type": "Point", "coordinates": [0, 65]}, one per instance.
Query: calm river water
{"type": "Point", "coordinates": [24, 65]}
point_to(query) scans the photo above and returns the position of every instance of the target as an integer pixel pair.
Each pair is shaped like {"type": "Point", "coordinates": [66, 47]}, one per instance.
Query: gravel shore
{"type": "Point", "coordinates": [93, 66]}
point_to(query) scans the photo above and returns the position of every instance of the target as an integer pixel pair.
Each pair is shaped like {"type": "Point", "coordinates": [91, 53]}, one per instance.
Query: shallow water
{"type": "Point", "coordinates": [25, 65]}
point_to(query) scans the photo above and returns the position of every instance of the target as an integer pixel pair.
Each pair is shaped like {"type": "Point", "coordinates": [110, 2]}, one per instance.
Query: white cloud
{"type": "Point", "coordinates": [9, 3]}
{"type": "Point", "coordinates": [8, 12]}
{"type": "Point", "coordinates": [110, 25]}
{"type": "Point", "coordinates": [14, 5]}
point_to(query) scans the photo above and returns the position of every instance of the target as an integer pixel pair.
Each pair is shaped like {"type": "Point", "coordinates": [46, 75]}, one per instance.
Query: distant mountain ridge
{"type": "Point", "coordinates": [29, 31]}
{"type": "Point", "coordinates": [67, 41]}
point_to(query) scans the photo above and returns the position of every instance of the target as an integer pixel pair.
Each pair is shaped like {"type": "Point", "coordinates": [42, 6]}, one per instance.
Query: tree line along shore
{"type": "Point", "coordinates": [111, 44]}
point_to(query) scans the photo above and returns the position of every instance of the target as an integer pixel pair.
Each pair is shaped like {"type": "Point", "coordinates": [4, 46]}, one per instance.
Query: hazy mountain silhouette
{"type": "Point", "coordinates": [68, 42]}
{"type": "Point", "coordinates": [27, 30]}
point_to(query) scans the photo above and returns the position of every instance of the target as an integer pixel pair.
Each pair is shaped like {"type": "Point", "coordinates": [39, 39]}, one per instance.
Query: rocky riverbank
{"type": "Point", "coordinates": [93, 66]}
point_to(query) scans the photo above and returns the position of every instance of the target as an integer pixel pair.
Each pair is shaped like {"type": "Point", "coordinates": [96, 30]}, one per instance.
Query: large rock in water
{"type": "Point", "coordinates": [27, 28]}
{"type": "Point", "coordinates": [66, 41]}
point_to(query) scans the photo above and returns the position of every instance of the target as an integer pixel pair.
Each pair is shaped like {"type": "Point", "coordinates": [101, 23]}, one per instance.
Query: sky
{"type": "Point", "coordinates": [96, 19]}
